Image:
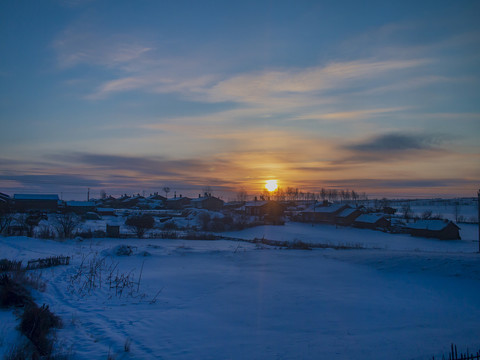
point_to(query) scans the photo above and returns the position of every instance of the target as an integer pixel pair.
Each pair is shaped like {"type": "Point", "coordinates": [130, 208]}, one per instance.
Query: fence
{"type": "Point", "coordinates": [48, 262]}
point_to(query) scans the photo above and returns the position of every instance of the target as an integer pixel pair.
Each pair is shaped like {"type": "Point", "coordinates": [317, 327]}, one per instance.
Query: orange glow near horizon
{"type": "Point", "coordinates": [271, 185]}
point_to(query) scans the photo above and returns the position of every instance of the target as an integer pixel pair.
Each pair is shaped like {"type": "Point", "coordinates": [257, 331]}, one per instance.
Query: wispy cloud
{"type": "Point", "coordinates": [394, 146]}
{"type": "Point", "coordinates": [83, 43]}
{"type": "Point", "coordinates": [35, 180]}
{"type": "Point", "coordinates": [398, 142]}
{"type": "Point", "coordinates": [352, 115]}
{"type": "Point", "coordinates": [250, 88]}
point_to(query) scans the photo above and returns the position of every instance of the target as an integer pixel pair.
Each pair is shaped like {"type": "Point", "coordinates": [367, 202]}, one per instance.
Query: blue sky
{"type": "Point", "coordinates": [128, 96]}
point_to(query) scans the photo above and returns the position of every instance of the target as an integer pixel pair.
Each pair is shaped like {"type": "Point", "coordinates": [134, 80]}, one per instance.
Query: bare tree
{"type": "Point", "coordinates": [354, 196]}
{"type": "Point", "coordinates": [280, 194]}
{"type": "Point", "coordinates": [5, 220]}
{"type": "Point", "coordinates": [166, 190]}
{"type": "Point", "coordinates": [334, 194]}
{"type": "Point", "coordinates": [407, 211]}
{"type": "Point", "coordinates": [290, 193]}
{"type": "Point", "coordinates": [207, 190]}
{"type": "Point", "coordinates": [427, 214]}
{"type": "Point", "coordinates": [242, 195]}
{"type": "Point", "coordinates": [65, 224]}
{"type": "Point", "coordinates": [384, 203]}
{"type": "Point", "coordinates": [456, 211]}
{"type": "Point", "coordinates": [103, 194]}
{"type": "Point", "coordinates": [323, 194]}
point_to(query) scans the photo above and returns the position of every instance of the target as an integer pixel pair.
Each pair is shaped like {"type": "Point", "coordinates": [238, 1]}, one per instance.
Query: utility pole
{"type": "Point", "coordinates": [88, 194]}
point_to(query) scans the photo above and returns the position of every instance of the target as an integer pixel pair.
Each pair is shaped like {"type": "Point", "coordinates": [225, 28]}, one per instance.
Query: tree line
{"type": "Point", "coordinates": [295, 194]}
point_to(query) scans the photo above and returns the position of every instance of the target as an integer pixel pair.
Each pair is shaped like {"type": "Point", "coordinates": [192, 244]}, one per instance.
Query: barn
{"type": "Point", "coordinates": [347, 216]}
{"type": "Point", "coordinates": [325, 214]}
{"type": "Point", "coordinates": [372, 221]}
{"type": "Point", "coordinates": [439, 229]}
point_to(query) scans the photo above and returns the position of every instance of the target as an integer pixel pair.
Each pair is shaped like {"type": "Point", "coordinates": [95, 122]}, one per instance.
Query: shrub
{"type": "Point", "coordinates": [45, 232]}
{"type": "Point", "coordinates": [204, 220]}
{"type": "Point", "coordinates": [170, 225]}
{"type": "Point", "coordinates": [99, 234]}
{"type": "Point", "coordinates": [13, 293]}
{"type": "Point", "coordinates": [169, 235]}
{"type": "Point", "coordinates": [193, 235]}
{"type": "Point", "coordinates": [127, 345]}
{"type": "Point", "coordinates": [36, 323]}
{"type": "Point", "coordinates": [124, 250]}
{"type": "Point", "coordinates": [85, 234]}
{"type": "Point", "coordinates": [10, 265]}
{"type": "Point", "coordinates": [140, 223]}
{"type": "Point", "coordinates": [217, 225]}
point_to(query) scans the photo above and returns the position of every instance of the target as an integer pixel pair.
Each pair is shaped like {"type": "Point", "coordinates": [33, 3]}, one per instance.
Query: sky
{"type": "Point", "coordinates": [131, 96]}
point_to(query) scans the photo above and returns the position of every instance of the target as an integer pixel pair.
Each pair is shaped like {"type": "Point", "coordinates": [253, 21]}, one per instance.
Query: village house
{"type": "Point", "coordinates": [237, 206]}
{"type": "Point", "coordinates": [207, 202]}
{"type": "Point", "coordinates": [439, 229]}
{"type": "Point", "coordinates": [326, 214]}
{"type": "Point", "coordinates": [347, 216]}
{"type": "Point", "coordinates": [80, 207]}
{"type": "Point", "coordinates": [372, 221]}
{"type": "Point", "coordinates": [25, 202]}
{"type": "Point", "coordinates": [178, 203]}
{"type": "Point", "coordinates": [269, 210]}
{"type": "Point", "coordinates": [157, 196]}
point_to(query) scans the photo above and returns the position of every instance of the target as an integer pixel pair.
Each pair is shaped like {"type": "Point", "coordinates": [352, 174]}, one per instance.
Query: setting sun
{"type": "Point", "coordinates": [271, 185]}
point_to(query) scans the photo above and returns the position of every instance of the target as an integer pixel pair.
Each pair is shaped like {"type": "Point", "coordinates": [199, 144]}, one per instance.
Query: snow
{"type": "Point", "coordinates": [365, 238]}
{"type": "Point", "coordinates": [8, 334]}
{"type": "Point", "coordinates": [347, 212]}
{"type": "Point", "coordinates": [435, 225]}
{"type": "Point", "coordinates": [393, 296]}
{"type": "Point", "coordinates": [329, 209]}
{"type": "Point", "coordinates": [369, 218]}
{"type": "Point", "coordinates": [325, 209]}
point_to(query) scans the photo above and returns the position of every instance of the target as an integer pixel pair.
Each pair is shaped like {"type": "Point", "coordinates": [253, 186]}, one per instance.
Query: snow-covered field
{"type": "Point", "coordinates": [398, 298]}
